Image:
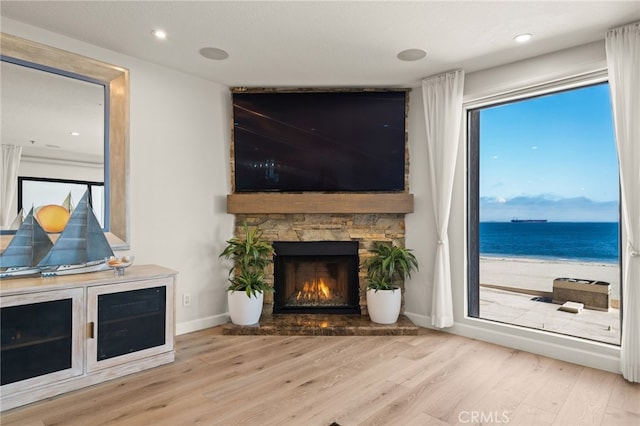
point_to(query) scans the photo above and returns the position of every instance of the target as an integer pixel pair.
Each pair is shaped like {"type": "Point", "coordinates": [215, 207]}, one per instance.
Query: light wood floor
{"type": "Point", "coordinates": [430, 379]}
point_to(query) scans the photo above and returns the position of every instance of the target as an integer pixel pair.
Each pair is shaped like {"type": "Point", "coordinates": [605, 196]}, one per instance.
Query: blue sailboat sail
{"type": "Point", "coordinates": [27, 248]}
{"type": "Point", "coordinates": [82, 242]}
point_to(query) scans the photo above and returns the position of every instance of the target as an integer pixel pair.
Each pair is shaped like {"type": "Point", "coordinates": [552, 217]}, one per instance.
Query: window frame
{"type": "Point", "coordinates": [471, 111]}
{"type": "Point", "coordinates": [89, 185]}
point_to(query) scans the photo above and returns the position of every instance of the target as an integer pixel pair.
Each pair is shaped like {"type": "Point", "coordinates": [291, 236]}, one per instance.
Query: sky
{"type": "Point", "coordinates": [551, 157]}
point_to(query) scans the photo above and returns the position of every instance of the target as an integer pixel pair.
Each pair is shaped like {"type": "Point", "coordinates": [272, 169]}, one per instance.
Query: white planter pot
{"type": "Point", "coordinates": [244, 310]}
{"type": "Point", "coordinates": [384, 305]}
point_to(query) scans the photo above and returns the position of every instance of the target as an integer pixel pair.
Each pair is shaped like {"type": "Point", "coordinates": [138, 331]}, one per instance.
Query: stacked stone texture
{"type": "Point", "coordinates": [364, 228]}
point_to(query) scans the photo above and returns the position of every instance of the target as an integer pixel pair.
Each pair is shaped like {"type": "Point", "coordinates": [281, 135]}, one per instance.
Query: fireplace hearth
{"type": "Point", "coordinates": [316, 277]}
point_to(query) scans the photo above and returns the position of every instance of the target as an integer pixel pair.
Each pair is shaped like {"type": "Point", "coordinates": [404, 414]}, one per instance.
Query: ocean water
{"type": "Point", "coordinates": [573, 241]}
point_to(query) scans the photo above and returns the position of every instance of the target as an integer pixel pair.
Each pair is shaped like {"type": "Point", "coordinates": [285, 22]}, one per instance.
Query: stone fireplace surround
{"type": "Point", "coordinates": [365, 228]}
{"type": "Point", "coordinates": [305, 217]}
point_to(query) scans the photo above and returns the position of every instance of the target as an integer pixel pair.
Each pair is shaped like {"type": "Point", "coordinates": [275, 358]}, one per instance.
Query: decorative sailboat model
{"type": "Point", "coordinates": [81, 247]}
{"type": "Point", "coordinates": [28, 247]}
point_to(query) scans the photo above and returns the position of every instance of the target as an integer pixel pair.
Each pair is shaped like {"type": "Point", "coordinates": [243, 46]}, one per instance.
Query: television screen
{"type": "Point", "coordinates": [319, 141]}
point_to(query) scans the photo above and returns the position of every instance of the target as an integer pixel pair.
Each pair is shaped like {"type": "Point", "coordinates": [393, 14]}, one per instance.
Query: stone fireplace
{"type": "Point", "coordinates": [359, 230]}
{"type": "Point", "coordinates": [318, 219]}
{"type": "Point", "coordinates": [316, 277]}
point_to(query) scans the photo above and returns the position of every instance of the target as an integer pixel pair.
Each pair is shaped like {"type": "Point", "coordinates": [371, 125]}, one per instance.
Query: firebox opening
{"type": "Point", "coordinates": [316, 277]}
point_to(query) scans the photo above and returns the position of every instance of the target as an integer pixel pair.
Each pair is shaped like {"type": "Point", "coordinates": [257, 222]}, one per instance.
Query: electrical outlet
{"type": "Point", "coordinates": [186, 299]}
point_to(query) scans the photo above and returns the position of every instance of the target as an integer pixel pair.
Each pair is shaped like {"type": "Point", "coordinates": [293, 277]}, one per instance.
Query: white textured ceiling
{"type": "Point", "coordinates": [331, 43]}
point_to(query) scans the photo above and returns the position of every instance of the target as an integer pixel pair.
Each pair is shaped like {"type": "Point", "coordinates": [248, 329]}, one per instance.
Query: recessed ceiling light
{"type": "Point", "coordinates": [522, 38]}
{"type": "Point", "coordinates": [213, 53]}
{"type": "Point", "coordinates": [52, 146]}
{"type": "Point", "coordinates": [159, 34]}
{"type": "Point", "coordinates": [412, 54]}
{"type": "Point", "coordinates": [74, 133]}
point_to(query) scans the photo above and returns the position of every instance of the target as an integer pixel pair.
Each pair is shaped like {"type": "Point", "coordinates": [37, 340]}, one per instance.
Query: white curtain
{"type": "Point", "coordinates": [623, 61]}
{"type": "Point", "coordinates": [442, 99]}
{"type": "Point", "coordinates": [8, 183]}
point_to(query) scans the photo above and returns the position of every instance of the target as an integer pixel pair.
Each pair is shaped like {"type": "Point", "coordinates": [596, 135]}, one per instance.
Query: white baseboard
{"type": "Point", "coordinates": [201, 323]}
{"type": "Point", "coordinates": [419, 319]}
{"type": "Point", "coordinates": [565, 348]}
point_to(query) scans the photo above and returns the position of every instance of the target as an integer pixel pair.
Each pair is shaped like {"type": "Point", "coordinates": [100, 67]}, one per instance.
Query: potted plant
{"type": "Point", "coordinates": [245, 294]}
{"type": "Point", "coordinates": [388, 265]}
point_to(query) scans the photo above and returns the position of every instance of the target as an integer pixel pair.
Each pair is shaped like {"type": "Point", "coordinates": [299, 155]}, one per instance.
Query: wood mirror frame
{"type": "Point", "coordinates": [117, 79]}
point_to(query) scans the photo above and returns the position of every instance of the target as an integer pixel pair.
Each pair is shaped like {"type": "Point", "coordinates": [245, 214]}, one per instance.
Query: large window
{"type": "Point", "coordinates": [36, 192]}
{"type": "Point", "coordinates": [544, 213]}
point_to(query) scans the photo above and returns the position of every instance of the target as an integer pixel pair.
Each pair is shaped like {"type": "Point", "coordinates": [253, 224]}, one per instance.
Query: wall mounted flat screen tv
{"type": "Point", "coordinates": [339, 141]}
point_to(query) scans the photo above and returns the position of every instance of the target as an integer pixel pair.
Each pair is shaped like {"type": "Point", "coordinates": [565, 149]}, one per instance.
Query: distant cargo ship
{"type": "Point", "coordinates": [529, 220]}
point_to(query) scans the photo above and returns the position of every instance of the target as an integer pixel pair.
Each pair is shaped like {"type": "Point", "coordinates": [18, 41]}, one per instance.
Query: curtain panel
{"type": "Point", "coordinates": [9, 183]}
{"type": "Point", "coordinates": [623, 61]}
{"type": "Point", "coordinates": [442, 99]}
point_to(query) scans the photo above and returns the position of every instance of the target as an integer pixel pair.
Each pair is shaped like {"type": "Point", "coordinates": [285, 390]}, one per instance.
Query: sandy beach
{"type": "Point", "coordinates": [538, 275]}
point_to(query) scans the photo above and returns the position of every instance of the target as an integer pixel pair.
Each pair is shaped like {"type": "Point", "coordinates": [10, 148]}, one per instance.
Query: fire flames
{"type": "Point", "coordinates": [314, 290]}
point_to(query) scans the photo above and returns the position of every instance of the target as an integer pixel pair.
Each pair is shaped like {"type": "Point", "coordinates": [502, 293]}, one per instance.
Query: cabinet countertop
{"type": "Point", "coordinates": [10, 286]}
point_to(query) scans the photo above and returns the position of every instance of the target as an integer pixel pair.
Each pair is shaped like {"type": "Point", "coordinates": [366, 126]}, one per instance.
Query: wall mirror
{"type": "Point", "coordinates": [53, 130]}
{"type": "Point", "coordinates": [104, 133]}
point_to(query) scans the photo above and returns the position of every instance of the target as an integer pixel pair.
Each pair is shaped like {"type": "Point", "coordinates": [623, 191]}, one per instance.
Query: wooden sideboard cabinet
{"type": "Point", "coordinates": [63, 333]}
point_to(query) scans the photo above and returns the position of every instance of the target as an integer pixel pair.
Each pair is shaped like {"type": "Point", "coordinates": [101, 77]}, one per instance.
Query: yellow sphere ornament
{"type": "Point", "coordinates": [52, 217]}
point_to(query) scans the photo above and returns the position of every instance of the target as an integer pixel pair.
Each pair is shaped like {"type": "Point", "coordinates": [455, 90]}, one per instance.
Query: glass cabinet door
{"type": "Point", "coordinates": [40, 338]}
{"type": "Point", "coordinates": [129, 321]}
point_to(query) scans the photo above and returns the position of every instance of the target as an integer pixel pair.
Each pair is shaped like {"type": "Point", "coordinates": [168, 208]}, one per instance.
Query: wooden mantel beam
{"type": "Point", "coordinates": [319, 203]}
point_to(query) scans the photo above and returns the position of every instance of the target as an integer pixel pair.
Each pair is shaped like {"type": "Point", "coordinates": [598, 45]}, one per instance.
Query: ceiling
{"type": "Point", "coordinates": [330, 43]}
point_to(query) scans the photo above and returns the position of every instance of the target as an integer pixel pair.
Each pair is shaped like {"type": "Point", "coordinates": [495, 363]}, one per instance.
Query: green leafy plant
{"type": "Point", "coordinates": [387, 265]}
{"type": "Point", "coordinates": [250, 256]}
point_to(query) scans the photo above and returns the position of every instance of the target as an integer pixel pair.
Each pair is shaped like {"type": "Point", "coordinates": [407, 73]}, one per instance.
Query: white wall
{"type": "Point", "coordinates": [179, 174]}
{"type": "Point", "coordinates": [420, 226]}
